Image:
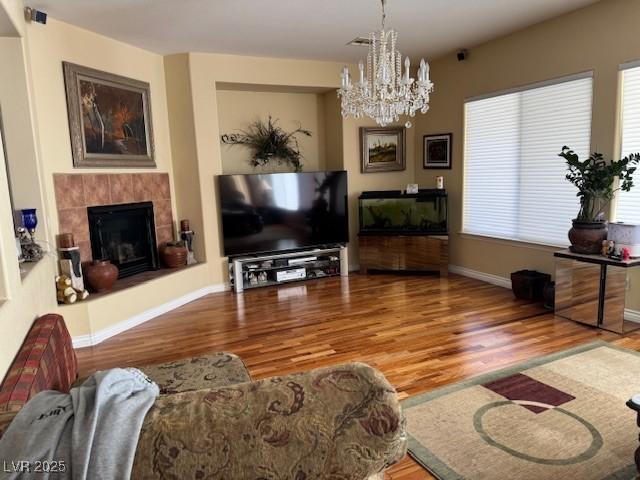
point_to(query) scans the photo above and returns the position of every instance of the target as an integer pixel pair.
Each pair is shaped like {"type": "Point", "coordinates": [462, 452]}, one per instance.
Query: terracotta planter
{"type": "Point", "coordinates": [174, 256]}
{"type": "Point", "coordinates": [101, 275]}
{"type": "Point", "coordinates": [587, 237]}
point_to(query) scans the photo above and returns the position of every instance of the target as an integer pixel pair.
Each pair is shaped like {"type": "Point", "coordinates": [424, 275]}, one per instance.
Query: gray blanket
{"type": "Point", "coordinates": [92, 432]}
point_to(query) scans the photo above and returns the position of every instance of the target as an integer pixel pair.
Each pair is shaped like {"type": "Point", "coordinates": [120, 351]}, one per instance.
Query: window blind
{"type": "Point", "coordinates": [628, 203]}
{"type": "Point", "coordinates": [515, 186]}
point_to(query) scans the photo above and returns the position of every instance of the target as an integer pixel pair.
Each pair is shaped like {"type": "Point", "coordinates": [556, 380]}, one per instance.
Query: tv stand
{"type": "Point", "coordinates": [263, 270]}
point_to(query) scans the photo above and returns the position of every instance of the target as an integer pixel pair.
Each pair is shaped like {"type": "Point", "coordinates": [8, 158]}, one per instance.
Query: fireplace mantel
{"type": "Point", "coordinates": [77, 191]}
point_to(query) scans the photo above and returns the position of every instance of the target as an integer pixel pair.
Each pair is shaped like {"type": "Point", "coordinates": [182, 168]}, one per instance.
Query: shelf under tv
{"type": "Point", "coordinates": [263, 270]}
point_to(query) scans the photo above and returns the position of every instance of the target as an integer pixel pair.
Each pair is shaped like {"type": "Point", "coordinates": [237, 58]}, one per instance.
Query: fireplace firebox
{"type": "Point", "coordinates": [124, 234]}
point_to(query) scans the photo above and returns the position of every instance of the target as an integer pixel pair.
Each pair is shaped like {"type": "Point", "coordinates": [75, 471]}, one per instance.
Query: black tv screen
{"type": "Point", "coordinates": [283, 211]}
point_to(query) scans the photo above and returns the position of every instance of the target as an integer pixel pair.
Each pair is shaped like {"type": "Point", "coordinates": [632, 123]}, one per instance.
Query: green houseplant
{"type": "Point", "coordinates": [595, 180]}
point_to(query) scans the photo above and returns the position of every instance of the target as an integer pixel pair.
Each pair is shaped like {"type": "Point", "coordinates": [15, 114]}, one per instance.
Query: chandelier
{"type": "Point", "coordinates": [385, 92]}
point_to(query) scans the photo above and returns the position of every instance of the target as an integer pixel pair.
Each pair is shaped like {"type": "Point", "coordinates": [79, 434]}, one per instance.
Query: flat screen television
{"type": "Point", "coordinates": [283, 211]}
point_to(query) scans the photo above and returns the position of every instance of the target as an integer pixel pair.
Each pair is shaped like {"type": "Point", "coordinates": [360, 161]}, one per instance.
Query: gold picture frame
{"type": "Point", "coordinates": [109, 119]}
{"type": "Point", "coordinates": [382, 149]}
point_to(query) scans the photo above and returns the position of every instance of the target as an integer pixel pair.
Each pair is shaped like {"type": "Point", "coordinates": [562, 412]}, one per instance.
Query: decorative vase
{"type": "Point", "coordinates": [587, 237]}
{"type": "Point", "coordinates": [101, 275]}
{"type": "Point", "coordinates": [29, 221]}
{"type": "Point", "coordinates": [174, 256]}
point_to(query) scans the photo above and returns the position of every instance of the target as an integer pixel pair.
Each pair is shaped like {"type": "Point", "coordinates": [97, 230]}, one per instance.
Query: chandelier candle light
{"type": "Point", "coordinates": [385, 92]}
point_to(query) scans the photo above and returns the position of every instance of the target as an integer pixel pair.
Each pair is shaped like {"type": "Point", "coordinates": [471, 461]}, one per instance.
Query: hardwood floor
{"type": "Point", "coordinates": [422, 332]}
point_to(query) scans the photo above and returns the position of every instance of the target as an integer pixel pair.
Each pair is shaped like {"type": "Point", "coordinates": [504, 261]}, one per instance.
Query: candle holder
{"type": "Point", "coordinates": [186, 235]}
{"type": "Point", "coordinates": [31, 251]}
{"type": "Point", "coordinates": [30, 221]}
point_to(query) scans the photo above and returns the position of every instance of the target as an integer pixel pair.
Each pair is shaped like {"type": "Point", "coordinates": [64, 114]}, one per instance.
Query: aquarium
{"type": "Point", "coordinates": [395, 212]}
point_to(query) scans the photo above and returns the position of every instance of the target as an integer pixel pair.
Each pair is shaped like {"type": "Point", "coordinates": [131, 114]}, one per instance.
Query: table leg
{"type": "Point", "coordinates": [602, 294]}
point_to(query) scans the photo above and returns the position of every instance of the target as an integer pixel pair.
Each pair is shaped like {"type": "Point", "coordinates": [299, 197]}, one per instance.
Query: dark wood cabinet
{"type": "Point", "coordinates": [422, 253]}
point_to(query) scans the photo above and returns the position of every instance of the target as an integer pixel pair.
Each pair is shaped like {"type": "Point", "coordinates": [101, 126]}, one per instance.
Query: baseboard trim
{"type": "Point", "coordinates": [485, 277]}
{"type": "Point", "coordinates": [95, 338]}
{"type": "Point", "coordinates": [632, 315]}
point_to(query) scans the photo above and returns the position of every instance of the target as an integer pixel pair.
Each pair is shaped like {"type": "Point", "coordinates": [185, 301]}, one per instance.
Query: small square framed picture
{"type": "Point", "coordinates": [436, 151]}
{"type": "Point", "coordinates": [382, 149]}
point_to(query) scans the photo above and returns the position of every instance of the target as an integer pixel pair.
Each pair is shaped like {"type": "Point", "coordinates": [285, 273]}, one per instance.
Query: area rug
{"type": "Point", "coordinates": [557, 417]}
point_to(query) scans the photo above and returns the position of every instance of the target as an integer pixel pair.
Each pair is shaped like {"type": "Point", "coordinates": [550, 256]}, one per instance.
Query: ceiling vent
{"type": "Point", "coordinates": [360, 42]}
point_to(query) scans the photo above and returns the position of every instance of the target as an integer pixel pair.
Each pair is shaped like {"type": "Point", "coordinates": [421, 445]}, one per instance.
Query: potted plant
{"type": "Point", "coordinates": [594, 178]}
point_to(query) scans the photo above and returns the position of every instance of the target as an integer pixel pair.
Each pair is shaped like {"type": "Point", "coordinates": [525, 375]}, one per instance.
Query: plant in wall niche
{"type": "Point", "coordinates": [269, 142]}
{"type": "Point", "coordinates": [594, 178]}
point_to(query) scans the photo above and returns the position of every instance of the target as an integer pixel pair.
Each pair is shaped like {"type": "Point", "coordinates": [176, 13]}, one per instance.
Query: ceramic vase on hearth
{"type": "Point", "coordinates": [101, 275]}
{"type": "Point", "coordinates": [174, 256]}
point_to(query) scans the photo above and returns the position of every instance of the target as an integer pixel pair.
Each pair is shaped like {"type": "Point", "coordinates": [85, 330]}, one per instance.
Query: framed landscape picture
{"type": "Point", "coordinates": [382, 149]}
{"type": "Point", "coordinates": [109, 119]}
{"type": "Point", "coordinates": [437, 151]}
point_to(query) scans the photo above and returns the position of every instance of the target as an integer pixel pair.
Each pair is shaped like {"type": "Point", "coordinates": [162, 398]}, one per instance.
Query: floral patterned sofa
{"type": "Point", "coordinates": [211, 421]}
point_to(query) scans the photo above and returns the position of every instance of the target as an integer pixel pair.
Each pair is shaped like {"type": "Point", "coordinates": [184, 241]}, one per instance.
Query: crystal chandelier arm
{"type": "Point", "coordinates": [385, 91]}
{"type": "Point", "coordinates": [407, 64]}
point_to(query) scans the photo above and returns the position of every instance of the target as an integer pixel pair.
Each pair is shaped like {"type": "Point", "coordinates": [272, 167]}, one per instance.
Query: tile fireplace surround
{"type": "Point", "coordinates": [77, 191]}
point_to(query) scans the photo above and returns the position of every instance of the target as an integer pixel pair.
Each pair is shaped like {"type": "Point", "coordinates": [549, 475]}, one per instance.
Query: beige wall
{"type": "Point", "coordinates": [47, 48]}
{"type": "Point", "coordinates": [185, 116]}
{"type": "Point", "coordinates": [188, 197]}
{"type": "Point", "coordinates": [343, 147]}
{"type": "Point", "coordinates": [104, 312]}
{"type": "Point", "coordinates": [359, 182]}
{"type": "Point", "coordinates": [18, 129]}
{"type": "Point", "coordinates": [599, 38]}
{"type": "Point", "coordinates": [238, 108]}
{"type": "Point", "coordinates": [205, 71]}
{"type": "Point", "coordinates": [11, 10]}
{"type": "Point", "coordinates": [21, 299]}
{"type": "Point", "coordinates": [333, 131]}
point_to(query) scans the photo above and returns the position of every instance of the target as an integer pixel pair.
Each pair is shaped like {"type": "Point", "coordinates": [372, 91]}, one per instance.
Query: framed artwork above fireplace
{"type": "Point", "coordinates": [109, 119]}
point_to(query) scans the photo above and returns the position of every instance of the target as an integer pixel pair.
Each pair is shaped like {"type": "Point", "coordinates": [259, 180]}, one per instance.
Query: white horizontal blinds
{"type": "Point", "coordinates": [552, 117]}
{"type": "Point", "coordinates": [515, 184]}
{"type": "Point", "coordinates": [492, 139]}
{"type": "Point", "coordinates": [628, 206]}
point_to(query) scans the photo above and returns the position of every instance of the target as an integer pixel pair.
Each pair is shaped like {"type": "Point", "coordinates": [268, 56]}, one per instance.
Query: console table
{"type": "Point", "coordinates": [592, 289]}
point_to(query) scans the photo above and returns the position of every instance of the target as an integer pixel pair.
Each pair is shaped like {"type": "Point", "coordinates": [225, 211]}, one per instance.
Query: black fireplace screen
{"type": "Point", "coordinates": [124, 234]}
